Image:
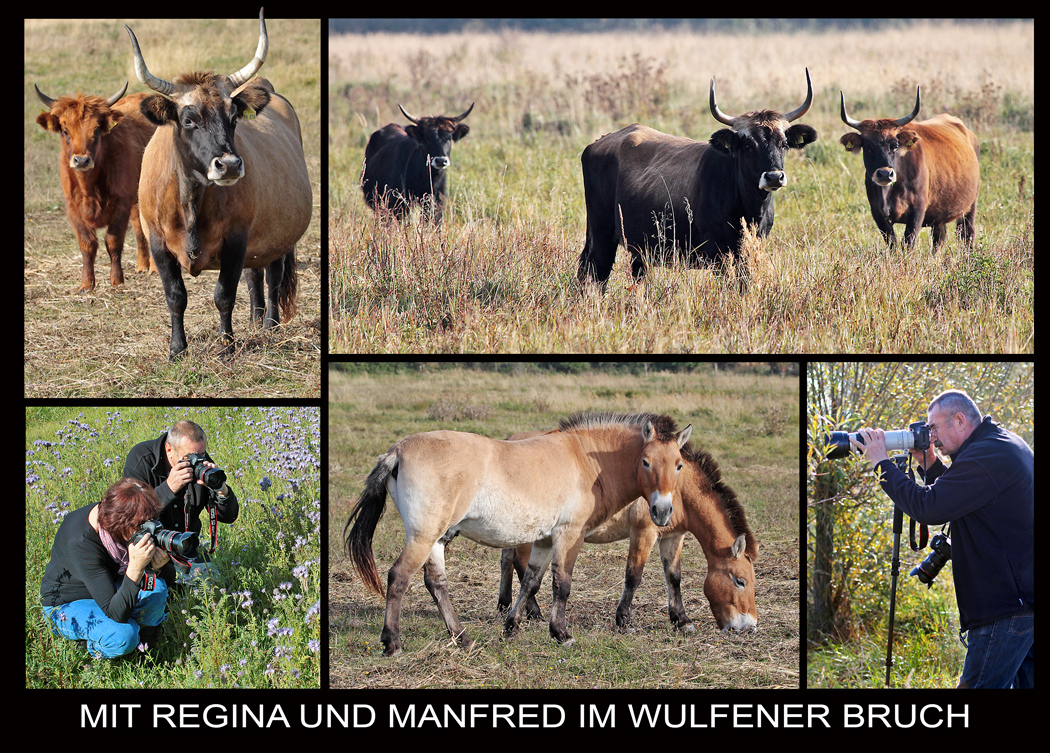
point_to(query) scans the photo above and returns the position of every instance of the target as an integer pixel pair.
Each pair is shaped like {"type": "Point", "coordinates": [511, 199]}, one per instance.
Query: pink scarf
{"type": "Point", "coordinates": [118, 552]}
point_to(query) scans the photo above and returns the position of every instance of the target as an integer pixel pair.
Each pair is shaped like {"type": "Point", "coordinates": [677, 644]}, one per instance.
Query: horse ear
{"type": "Point", "coordinates": [648, 432]}
{"type": "Point", "coordinates": [683, 435]}
{"type": "Point", "coordinates": [739, 545]}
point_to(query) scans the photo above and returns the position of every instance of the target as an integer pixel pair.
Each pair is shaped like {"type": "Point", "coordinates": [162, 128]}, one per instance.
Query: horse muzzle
{"type": "Point", "coordinates": [660, 508]}
{"type": "Point", "coordinates": [741, 623]}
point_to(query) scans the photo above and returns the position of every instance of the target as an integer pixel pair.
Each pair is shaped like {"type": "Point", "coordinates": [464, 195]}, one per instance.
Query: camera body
{"type": "Point", "coordinates": [173, 542]}
{"type": "Point", "coordinates": [927, 570]}
{"type": "Point", "coordinates": [915, 437]}
{"type": "Point", "coordinates": [213, 478]}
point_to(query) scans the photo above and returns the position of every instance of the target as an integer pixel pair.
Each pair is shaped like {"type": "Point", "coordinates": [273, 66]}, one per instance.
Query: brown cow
{"type": "Point", "coordinates": [102, 144]}
{"type": "Point", "coordinates": [923, 174]}
{"type": "Point", "coordinates": [211, 199]}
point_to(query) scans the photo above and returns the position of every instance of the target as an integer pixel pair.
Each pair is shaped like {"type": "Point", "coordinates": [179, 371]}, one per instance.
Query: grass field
{"type": "Point", "coordinates": [113, 342]}
{"type": "Point", "coordinates": [748, 423]}
{"type": "Point", "coordinates": [262, 628]}
{"type": "Point", "coordinates": [499, 277]}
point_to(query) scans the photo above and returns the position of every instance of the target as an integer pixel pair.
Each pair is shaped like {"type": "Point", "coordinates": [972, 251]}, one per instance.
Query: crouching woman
{"type": "Point", "coordinates": [99, 589]}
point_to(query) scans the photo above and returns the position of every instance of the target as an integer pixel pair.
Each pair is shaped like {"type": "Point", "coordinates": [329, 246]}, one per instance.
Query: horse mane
{"type": "Point", "coordinates": [707, 466]}
{"type": "Point", "coordinates": [665, 426]}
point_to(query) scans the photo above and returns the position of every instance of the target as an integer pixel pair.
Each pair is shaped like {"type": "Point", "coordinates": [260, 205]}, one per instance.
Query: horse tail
{"type": "Point", "coordinates": [364, 519]}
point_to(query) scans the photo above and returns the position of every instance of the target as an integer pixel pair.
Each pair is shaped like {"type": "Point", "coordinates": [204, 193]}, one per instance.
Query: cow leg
{"type": "Point", "coordinates": [256, 293]}
{"type": "Point", "coordinates": [671, 557]}
{"type": "Point", "coordinates": [174, 293]}
{"type": "Point", "coordinates": [115, 246]}
{"type": "Point", "coordinates": [642, 540]}
{"type": "Point", "coordinates": [437, 584]}
{"type": "Point", "coordinates": [939, 233]}
{"type": "Point", "coordinates": [597, 257]}
{"type": "Point", "coordinates": [88, 242]}
{"type": "Point", "coordinates": [143, 261]}
{"type": "Point", "coordinates": [274, 276]}
{"type": "Point", "coordinates": [226, 288]}
{"type": "Point", "coordinates": [966, 227]}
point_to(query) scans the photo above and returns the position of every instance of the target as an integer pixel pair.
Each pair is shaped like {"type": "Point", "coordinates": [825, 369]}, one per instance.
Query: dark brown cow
{"type": "Point", "coordinates": [102, 144]}
{"type": "Point", "coordinates": [409, 164]}
{"type": "Point", "coordinates": [923, 174]}
{"type": "Point", "coordinates": [211, 199]}
{"type": "Point", "coordinates": [666, 197]}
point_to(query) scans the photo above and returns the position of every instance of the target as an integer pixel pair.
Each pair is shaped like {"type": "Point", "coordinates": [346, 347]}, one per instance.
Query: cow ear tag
{"type": "Point", "coordinates": [248, 114]}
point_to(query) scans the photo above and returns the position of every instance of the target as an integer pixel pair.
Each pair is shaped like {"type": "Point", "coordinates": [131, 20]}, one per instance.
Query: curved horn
{"type": "Point", "coordinates": [116, 97]}
{"type": "Point", "coordinates": [460, 117]}
{"type": "Point", "coordinates": [845, 117]}
{"type": "Point", "coordinates": [796, 114]}
{"type": "Point", "coordinates": [44, 98]}
{"type": "Point", "coordinates": [245, 73]}
{"type": "Point", "coordinates": [909, 118]}
{"type": "Point", "coordinates": [720, 116]}
{"type": "Point", "coordinates": [403, 112]}
{"type": "Point", "coordinates": [156, 84]}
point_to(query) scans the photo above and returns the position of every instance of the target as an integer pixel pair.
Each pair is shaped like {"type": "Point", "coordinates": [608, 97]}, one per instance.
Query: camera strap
{"type": "Point", "coordinates": [213, 521]}
{"type": "Point", "coordinates": [924, 536]}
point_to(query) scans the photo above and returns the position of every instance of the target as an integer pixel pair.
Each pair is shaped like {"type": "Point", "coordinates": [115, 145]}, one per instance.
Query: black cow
{"type": "Point", "coordinates": [663, 196]}
{"type": "Point", "coordinates": [405, 164]}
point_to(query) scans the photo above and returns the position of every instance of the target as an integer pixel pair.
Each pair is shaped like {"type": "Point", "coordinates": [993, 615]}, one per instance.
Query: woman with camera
{"type": "Point", "coordinates": [96, 588]}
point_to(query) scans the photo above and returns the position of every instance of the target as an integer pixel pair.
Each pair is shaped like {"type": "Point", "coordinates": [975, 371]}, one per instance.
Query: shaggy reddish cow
{"type": "Point", "coordinates": [919, 174]}
{"type": "Point", "coordinates": [102, 145]}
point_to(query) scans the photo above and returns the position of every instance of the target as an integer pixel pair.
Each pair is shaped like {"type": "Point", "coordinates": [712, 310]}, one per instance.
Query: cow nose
{"type": "Point", "coordinates": [885, 176]}
{"type": "Point", "coordinates": [440, 163]}
{"type": "Point", "coordinates": [773, 180]}
{"type": "Point", "coordinates": [81, 162]}
{"type": "Point", "coordinates": [226, 169]}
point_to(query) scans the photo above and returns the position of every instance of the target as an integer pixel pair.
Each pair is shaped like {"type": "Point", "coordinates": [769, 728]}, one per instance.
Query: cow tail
{"type": "Point", "coordinates": [289, 288]}
{"type": "Point", "coordinates": [364, 519]}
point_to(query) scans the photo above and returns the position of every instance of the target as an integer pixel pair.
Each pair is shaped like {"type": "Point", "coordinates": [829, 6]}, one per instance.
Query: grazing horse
{"type": "Point", "coordinates": [549, 490]}
{"type": "Point", "coordinates": [707, 508]}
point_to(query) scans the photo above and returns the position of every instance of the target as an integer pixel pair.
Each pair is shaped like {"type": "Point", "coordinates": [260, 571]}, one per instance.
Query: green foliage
{"type": "Point", "coordinates": [261, 627]}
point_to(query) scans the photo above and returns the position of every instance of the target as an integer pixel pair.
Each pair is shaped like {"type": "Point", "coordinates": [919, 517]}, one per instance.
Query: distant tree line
{"type": "Point", "coordinates": [782, 368]}
{"type": "Point", "coordinates": [587, 25]}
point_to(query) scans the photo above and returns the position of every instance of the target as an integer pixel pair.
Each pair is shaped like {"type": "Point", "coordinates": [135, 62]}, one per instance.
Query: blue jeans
{"type": "Point", "coordinates": [84, 620]}
{"type": "Point", "coordinates": [1001, 654]}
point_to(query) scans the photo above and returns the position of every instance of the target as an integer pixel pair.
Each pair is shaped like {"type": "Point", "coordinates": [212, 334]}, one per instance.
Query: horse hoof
{"type": "Point", "coordinates": [687, 628]}
{"type": "Point", "coordinates": [392, 654]}
{"type": "Point", "coordinates": [568, 641]}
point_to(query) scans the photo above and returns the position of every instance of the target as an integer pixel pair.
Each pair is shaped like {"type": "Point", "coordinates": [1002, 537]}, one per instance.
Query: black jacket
{"type": "Point", "coordinates": [988, 495]}
{"type": "Point", "coordinates": [148, 462]}
{"type": "Point", "coordinates": [81, 568]}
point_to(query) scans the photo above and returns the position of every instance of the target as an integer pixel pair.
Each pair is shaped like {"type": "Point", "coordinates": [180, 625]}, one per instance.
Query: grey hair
{"type": "Point", "coordinates": [185, 430]}
{"type": "Point", "coordinates": [957, 401]}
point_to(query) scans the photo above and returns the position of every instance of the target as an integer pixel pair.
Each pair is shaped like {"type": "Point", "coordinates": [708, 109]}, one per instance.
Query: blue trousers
{"type": "Point", "coordinates": [84, 620]}
{"type": "Point", "coordinates": [1001, 654]}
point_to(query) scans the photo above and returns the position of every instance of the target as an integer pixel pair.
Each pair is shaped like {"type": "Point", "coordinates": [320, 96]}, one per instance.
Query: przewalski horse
{"type": "Point", "coordinates": [224, 186]}
{"type": "Point", "coordinates": [705, 507]}
{"type": "Point", "coordinates": [664, 197]}
{"type": "Point", "coordinates": [406, 164]}
{"type": "Point", "coordinates": [923, 174]}
{"type": "Point", "coordinates": [549, 490]}
{"type": "Point", "coordinates": [102, 145]}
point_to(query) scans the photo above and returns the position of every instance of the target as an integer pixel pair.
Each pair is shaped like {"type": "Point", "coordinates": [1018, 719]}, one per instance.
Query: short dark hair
{"type": "Point", "coordinates": [126, 505]}
{"type": "Point", "coordinates": [957, 401]}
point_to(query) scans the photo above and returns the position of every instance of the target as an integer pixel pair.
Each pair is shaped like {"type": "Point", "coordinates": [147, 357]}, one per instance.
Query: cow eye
{"type": "Point", "coordinates": [645, 463]}
{"type": "Point", "coordinates": [740, 582]}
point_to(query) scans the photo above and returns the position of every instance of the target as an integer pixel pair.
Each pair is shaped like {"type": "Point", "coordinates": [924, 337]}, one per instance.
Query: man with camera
{"type": "Point", "coordinates": [186, 480]}
{"type": "Point", "coordinates": [987, 494]}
